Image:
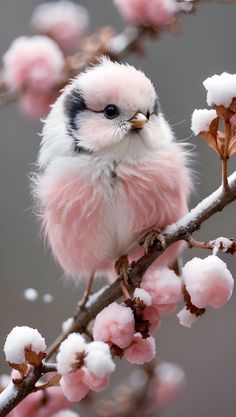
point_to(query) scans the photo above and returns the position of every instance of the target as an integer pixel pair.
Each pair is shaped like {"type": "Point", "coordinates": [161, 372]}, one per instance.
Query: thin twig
{"type": "Point", "coordinates": [226, 155]}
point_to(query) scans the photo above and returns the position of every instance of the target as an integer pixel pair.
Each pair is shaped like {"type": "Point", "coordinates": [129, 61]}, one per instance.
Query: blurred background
{"type": "Point", "coordinates": [177, 66]}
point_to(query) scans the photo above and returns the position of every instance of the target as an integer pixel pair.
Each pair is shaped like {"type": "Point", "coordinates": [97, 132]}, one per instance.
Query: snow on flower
{"type": "Point", "coordinates": [152, 12]}
{"type": "Point", "coordinates": [143, 295]}
{"type": "Point", "coordinates": [170, 381]}
{"type": "Point", "coordinates": [21, 338]}
{"type": "Point", "coordinates": [208, 281]}
{"type": "Point", "coordinates": [34, 404]}
{"type": "Point", "coordinates": [98, 359]}
{"type": "Point", "coordinates": [67, 356]}
{"type": "Point", "coordinates": [114, 324]}
{"type": "Point", "coordinates": [141, 350]}
{"type": "Point", "coordinates": [165, 288]}
{"type": "Point", "coordinates": [65, 21]}
{"type": "Point", "coordinates": [35, 63]}
{"type": "Point", "coordinates": [186, 318]}
{"type": "Point", "coordinates": [221, 89]}
{"type": "Point", "coordinates": [201, 120]}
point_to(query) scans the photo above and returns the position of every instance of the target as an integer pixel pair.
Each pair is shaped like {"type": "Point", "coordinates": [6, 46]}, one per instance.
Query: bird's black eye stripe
{"type": "Point", "coordinates": [74, 104]}
{"type": "Point", "coordinates": [111, 111]}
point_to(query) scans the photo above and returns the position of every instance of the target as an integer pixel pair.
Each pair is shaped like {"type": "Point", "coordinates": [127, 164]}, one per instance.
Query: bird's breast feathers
{"type": "Point", "coordinates": [106, 211]}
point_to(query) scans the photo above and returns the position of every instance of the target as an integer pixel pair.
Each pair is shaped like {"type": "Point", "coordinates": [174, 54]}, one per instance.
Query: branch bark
{"type": "Point", "coordinates": [185, 227]}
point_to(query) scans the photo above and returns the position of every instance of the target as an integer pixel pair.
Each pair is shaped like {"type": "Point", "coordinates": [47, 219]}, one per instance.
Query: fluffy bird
{"type": "Point", "coordinates": [109, 171]}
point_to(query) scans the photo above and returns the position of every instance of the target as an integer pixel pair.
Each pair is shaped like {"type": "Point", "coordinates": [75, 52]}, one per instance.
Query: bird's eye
{"type": "Point", "coordinates": [111, 111]}
{"type": "Point", "coordinates": [148, 115]}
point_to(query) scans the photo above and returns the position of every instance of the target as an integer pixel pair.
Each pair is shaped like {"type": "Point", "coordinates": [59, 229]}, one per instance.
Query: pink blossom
{"type": "Point", "coordinates": [167, 308]}
{"type": "Point", "coordinates": [36, 105]}
{"type": "Point", "coordinates": [94, 382]}
{"type": "Point", "coordinates": [141, 350]}
{"type": "Point", "coordinates": [151, 12]}
{"type": "Point", "coordinates": [165, 288]}
{"type": "Point", "coordinates": [115, 324]}
{"type": "Point", "coordinates": [33, 63]}
{"type": "Point", "coordinates": [170, 381]}
{"type": "Point", "coordinates": [73, 386]}
{"type": "Point", "coordinates": [152, 315]}
{"type": "Point", "coordinates": [208, 281]}
{"type": "Point", "coordinates": [65, 21]}
{"type": "Point", "coordinates": [34, 404]}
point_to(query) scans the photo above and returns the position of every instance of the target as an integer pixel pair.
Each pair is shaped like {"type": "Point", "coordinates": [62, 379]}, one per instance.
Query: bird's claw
{"type": "Point", "coordinates": [150, 238]}
{"type": "Point", "coordinates": [122, 268]}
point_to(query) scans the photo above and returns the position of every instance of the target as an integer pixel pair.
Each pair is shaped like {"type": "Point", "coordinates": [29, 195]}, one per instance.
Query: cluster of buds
{"type": "Point", "coordinates": [221, 95]}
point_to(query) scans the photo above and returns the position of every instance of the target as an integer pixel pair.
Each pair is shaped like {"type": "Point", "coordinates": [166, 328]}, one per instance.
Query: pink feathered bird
{"type": "Point", "coordinates": [110, 170]}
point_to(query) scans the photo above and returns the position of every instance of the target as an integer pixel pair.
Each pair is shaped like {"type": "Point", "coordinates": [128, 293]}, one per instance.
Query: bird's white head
{"type": "Point", "coordinates": [107, 104]}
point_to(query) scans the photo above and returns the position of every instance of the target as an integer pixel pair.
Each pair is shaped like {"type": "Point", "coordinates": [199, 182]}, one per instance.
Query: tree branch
{"type": "Point", "coordinates": [214, 203]}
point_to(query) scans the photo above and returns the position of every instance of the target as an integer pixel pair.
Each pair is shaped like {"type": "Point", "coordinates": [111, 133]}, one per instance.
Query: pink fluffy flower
{"type": "Point", "coordinates": [93, 362]}
{"type": "Point", "coordinates": [165, 288]}
{"type": "Point", "coordinates": [151, 12]}
{"type": "Point", "coordinates": [115, 324]}
{"type": "Point", "coordinates": [33, 63]}
{"type": "Point", "coordinates": [73, 386]}
{"type": "Point", "coordinates": [94, 382]}
{"type": "Point", "coordinates": [36, 105]}
{"type": "Point", "coordinates": [64, 21]}
{"type": "Point", "coordinates": [170, 382]}
{"type": "Point", "coordinates": [34, 404]}
{"type": "Point", "coordinates": [141, 350]}
{"type": "Point", "coordinates": [208, 281]}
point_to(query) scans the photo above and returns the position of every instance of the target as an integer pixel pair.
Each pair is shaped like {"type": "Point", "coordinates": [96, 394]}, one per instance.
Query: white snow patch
{"type": "Point", "coordinates": [31, 294]}
{"type": "Point", "coordinates": [20, 338]}
{"type": "Point", "coordinates": [143, 295]}
{"type": "Point", "coordinates": [93, 297]}
{"type": "Point", "coordinates": [67, 324]}
{"type": "Point", "coordinates": [201, 120]}
{"type": "Point", "coordinates": [186, 318]}
{"type": "Point", "coordinates": [48, 298]}
{"type": "Point", "coordinates": [99, 363]}
{"type": "Point", "coordinates": [66, 413]}
{"type": "Point", "coordinates": [222, 243]}
{"type": "Point", "coordinates": [221, 89]}
{"type": "Point", "coordinates": [66, 358]}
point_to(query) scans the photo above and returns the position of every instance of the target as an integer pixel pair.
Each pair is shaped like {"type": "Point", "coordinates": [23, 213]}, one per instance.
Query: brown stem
{"type": "Point", "coordinates": [86, 293]}
{"type": "Point", "coordinates": [226, 156]}
{"type": "Point", "coordinates": [196, 244]}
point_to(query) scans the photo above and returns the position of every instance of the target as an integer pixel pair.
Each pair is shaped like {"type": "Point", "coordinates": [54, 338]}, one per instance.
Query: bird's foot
{"type": "Point", "coordinates": [150, 238]}
{"type": "Point", "coordinates": [122, 268]}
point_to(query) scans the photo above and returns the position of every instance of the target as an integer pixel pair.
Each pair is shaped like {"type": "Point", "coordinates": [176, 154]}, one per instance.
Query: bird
{"type": "Point", "coordinates": [109, 171]}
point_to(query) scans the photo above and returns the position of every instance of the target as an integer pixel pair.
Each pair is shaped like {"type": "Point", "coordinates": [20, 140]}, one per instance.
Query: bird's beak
{"type": "Point", "coordinates": [138, 121]}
